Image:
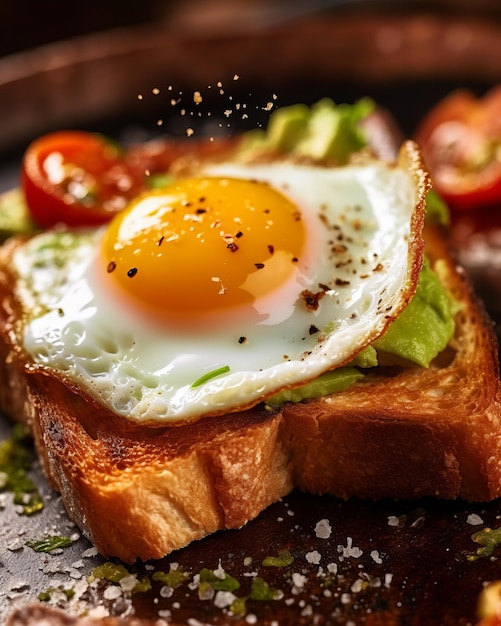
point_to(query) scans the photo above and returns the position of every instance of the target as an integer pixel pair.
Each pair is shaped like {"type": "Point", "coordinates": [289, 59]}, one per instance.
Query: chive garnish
{"type": "Point", "coordinates": [49, 544]}
{"type": "Point", "coordinates": [210, 375]}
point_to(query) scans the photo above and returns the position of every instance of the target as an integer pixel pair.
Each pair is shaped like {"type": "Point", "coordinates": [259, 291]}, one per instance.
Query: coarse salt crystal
{"type": "Point", "coordinates": [298, 580]}
{"type": "Point", "coordinates": [224, 599]}
{"type": "Point", "coordinates": [474, 519]}
{"type": "Point", "coordinates": [112, 592]}
{"type": "Point", "coordinates": [313, 557]}
{"type": "Point", "coordinates": [323, 529]}
{"type": "Point", "coordinates": [376, 557]}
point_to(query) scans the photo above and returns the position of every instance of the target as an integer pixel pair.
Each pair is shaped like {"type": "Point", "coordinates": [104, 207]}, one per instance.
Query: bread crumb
{"type": "Point", "coordinates": [474, 520]}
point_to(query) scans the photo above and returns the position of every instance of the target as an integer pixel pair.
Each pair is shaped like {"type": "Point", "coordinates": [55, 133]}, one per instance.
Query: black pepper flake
{"type": "Point", "coordinates": [259, 266]}
{"type": "Point", "coordinates": [342, 283]}
{"type": "Point", "coordinates": [295, 259]}
{"type": "Point", "coordinates": [239, 234]}
{"type": "Point", "coordinates": [313, 329]}
{"type": "Point", "coordinates": [201, 211]}
{"type": "Point", "coordinates": [111, 267]}
{"type": "Point", "coordinates": [242, 340]}
{"type": "Point", "coordinates": [312, 300]}
{"type": "Point", "coordinates": [160, 241]}
{"type": "Point", "coordinates": [232, 246]}
{"type": "Point", "coordinates": [202, 199]}
{"type": "Point", "coordinates": [132, 272]}
{"type": "Point", "coordinates": [271, 249]}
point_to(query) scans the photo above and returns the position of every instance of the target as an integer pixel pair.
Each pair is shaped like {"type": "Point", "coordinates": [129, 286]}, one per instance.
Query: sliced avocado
{"type": "Point", "coordinates": [325, 384]}
{"type": "Point", "coordinates": [324, 130]}
{"type": "Point", "coordinates": [423, 329]}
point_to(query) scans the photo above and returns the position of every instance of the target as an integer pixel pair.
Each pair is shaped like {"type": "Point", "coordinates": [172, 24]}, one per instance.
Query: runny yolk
{"type": "Point", "coordinates": [203, 246]}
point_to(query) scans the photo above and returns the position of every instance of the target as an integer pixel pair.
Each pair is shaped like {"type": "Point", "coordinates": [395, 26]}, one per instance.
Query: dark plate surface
{"type": "Point", "coordinates": [384, 563]}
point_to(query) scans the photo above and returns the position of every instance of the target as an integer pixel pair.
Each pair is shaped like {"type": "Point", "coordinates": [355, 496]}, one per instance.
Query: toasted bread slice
{"type": "Point", "coordinates": [142, 492]}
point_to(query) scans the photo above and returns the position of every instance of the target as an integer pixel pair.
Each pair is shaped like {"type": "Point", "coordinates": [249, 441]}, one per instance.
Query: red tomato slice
{"type": "Point", "coordinates": [77, 178]}
{"type": "Point", "coordinates": [461, 142]}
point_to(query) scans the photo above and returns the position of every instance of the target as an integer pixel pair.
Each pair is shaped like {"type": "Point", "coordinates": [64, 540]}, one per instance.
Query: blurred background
{"type": "Point", "coordinates": [25, 24]}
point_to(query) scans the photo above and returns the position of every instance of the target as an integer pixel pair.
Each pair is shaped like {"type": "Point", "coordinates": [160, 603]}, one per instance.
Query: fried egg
{"type": "Point", "coordinates": [212, 294]}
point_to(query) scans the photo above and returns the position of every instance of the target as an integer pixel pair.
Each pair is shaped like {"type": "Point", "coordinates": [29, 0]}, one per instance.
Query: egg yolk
{"type": "Point", "coordinates": [202, 246]}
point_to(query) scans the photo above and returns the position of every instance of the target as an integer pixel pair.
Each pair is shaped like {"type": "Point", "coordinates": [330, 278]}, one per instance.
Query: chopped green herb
{"type": "Point", "coordinates": [175, 578]}
{"type": "Point", "coordinates": [210, 375]}
{"type": "Point", "coordinates": [15, 462]}
{"type": "Point", "coordinates": [261, 590]}
{"type": "Point", "coordinates": [114, 573]}
{"type": "Point", "coordinates": [238, 606]}
{"type": "Point", "coordinates": [228, 583]}
{"type": "Point", "coordinates": [284, 559]}
{"type": "Point", "coordinates": [489, 539]}
{"type": "Point", "coordinates": [110, 571]}
{"type": "Point", "coordinates": [49, 544]}
{"type": "Point", "coordinates": [45, 596]}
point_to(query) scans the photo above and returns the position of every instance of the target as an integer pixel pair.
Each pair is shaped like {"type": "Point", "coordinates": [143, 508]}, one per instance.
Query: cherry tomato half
{"type": "Point", "coordinates": [461, 142]}
{"type": "Point", "coordinates": [77, 178]}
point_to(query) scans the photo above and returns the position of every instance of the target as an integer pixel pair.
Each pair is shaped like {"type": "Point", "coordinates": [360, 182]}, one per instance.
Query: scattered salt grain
{"type": "Point", "coordinates": [323, 529]}
{"type": "Point", "coordinates": [127, 583]}
{"type": "Point", "coordinates": [393, 520]}
{"type": "Point", "coordinates": [166, 591]}
{"type": "Point", "coordinates": [15, 545]}
{"type": "Point", "coordinates": [112, 592]}
{"type": "Point", "coordinates": [224, 599]}
{"type": "Point", "coordinates": [376, 557]}
{"type": "Point", "coordinates": [219, 572]}
{"type": "Point", "coordinates": [474, 519]}
{"type": "Point", "coordinates": [298, 580]}
{"type": "Point", "coordinates": [89, 553]}
{"type": "Point", "coordinates": [313, 557]}
{"type": "Point", "coordinates": [165, 614]}
{"type": "Point", "coordinates": [357, 586]}
{"type": "Point", "coordinates": [350, 551]}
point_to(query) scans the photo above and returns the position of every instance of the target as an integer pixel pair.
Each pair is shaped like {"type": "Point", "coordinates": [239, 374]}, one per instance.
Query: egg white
{"type": "Point", "coordinates": [145, 372]}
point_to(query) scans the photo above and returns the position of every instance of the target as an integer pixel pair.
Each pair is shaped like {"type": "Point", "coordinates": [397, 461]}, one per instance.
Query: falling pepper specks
{"type": "Point", "coordinates": [132, 272]}
{"type": "Point", "coordinates": [232, 246]}
{"type": "Point", "coordinates": [271, 249]}
{"type": "Point", "coordinates": [242, 340]}
{"type": "Point", "coordinates": [111, 267]}
{"type": "Point", "coordinates": [259, 266]}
